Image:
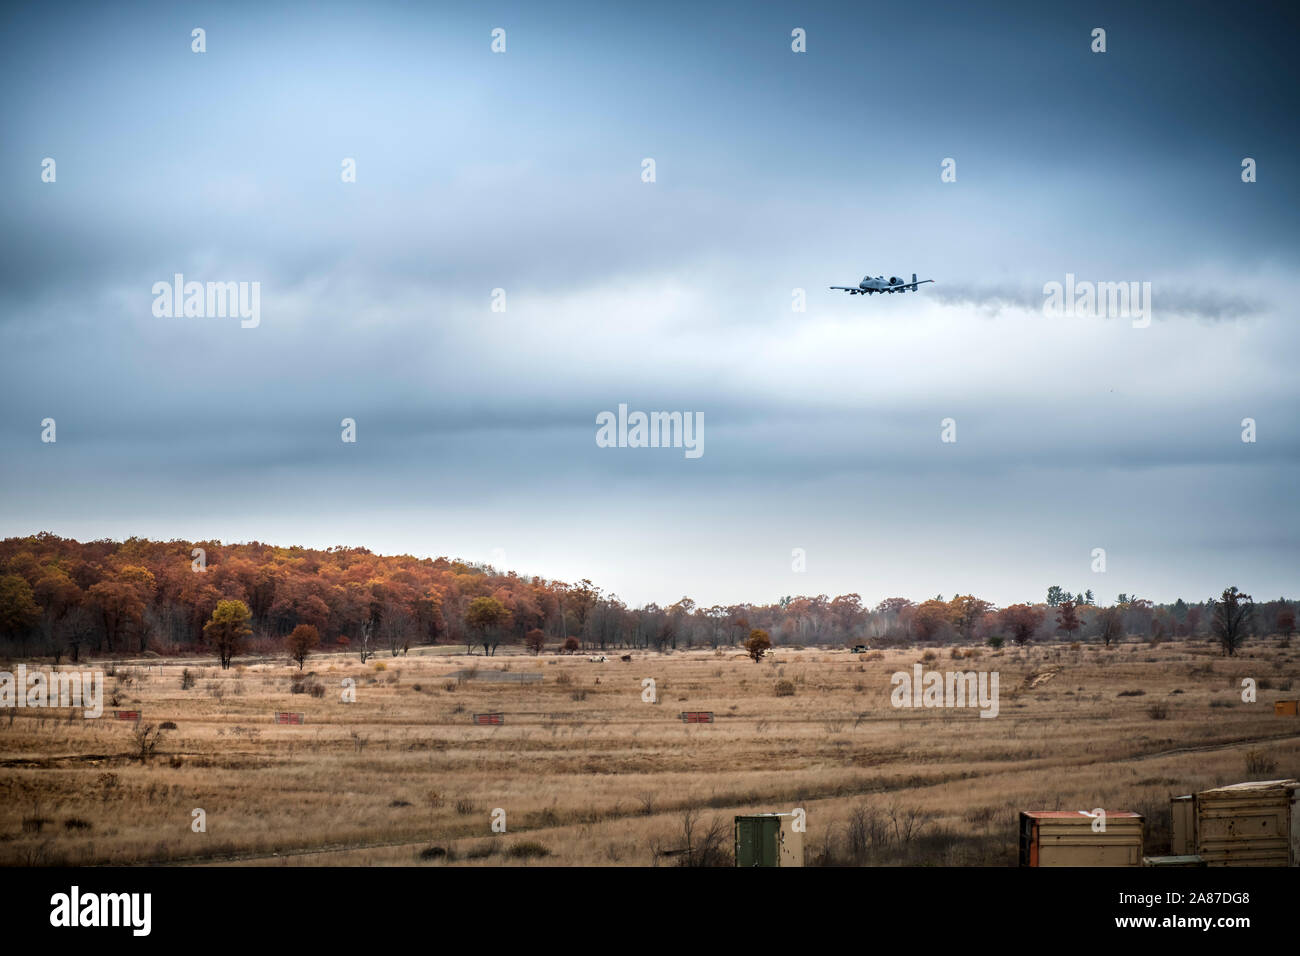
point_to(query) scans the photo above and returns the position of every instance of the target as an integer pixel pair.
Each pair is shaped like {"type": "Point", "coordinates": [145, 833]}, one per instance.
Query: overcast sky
{"type": "Point", "coordinates": [774, 170]}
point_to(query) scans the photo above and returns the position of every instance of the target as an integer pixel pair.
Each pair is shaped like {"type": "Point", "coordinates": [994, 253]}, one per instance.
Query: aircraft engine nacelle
{"type": "Point", "coordinates": [895, 280]}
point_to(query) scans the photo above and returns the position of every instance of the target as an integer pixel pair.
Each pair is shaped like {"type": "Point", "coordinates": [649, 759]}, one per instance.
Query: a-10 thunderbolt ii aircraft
{"type": "Point", "coordinates": [893, 284]}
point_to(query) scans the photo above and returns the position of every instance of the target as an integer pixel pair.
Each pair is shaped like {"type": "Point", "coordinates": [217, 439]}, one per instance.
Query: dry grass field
{"type": "Point", "coordinates": [590, 774]}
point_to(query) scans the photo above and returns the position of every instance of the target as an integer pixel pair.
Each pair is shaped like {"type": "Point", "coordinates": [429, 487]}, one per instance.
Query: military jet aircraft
{"type": "Point", "coordinates": [893, 284]}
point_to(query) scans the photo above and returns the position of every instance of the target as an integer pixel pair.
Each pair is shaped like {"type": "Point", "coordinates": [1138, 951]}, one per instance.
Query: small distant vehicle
{"type": "Point", "coordinates": [599, 659]}
{"type": "Point", "coordinates": [870, 285]}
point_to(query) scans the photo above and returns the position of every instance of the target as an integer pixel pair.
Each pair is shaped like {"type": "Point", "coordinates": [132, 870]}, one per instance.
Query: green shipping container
{"type": "Point", "coordinates": [757, 840]}
{"type": "Point", "coordinates": [770, 839]}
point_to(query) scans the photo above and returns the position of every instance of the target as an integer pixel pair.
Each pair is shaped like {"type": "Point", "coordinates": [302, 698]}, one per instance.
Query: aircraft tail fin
{"type": "Point", "coordinates": [913, 281]}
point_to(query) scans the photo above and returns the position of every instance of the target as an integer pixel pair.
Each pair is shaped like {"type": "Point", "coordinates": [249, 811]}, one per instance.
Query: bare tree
{"type": "Point", "coordinates": [367, 632]}
{"type": "Point", "coordinates": [396, 626]}
{"type": "Point", "coordinates": [147, 737]}
{"type": "Point", "coordinates": [707, 847]}
{"type": "Point", "coordinates": [76, 628]}
{"type": "Point", "coordinates": [907, 822]}
{"type": "Point", "coordinates": [1110, 625]}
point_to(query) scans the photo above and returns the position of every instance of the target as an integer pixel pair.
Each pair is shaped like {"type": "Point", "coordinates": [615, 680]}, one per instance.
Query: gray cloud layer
{"type": "Point", "coordinates": [775, 173]}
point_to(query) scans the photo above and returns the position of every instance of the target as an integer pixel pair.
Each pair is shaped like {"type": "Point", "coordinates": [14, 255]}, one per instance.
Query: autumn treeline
{"type": "Point", "coordinates": [63, 598]}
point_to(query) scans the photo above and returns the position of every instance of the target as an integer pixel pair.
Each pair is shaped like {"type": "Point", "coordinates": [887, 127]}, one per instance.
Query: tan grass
{"type": "Point", "coordinates": [603, 778]}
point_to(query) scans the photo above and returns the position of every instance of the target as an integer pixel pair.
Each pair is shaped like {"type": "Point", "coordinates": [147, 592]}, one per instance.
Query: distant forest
{"type": "Point", "coordinates": [64, 598]}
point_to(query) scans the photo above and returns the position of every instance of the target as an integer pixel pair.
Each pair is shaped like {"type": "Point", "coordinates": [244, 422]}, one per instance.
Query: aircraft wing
{"type": "Point", "coordinates": [918, 282]}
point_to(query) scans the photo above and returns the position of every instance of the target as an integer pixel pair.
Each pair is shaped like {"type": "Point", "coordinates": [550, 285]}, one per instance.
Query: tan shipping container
{"type": "Point", "coordinates": [1248, 824]}
{"type": "Point", "coordinates": [1286, 708]}
{"type": "Point", "coordinates": [1067, 838]}
{"type": "Point", "coordinates": [1182, 810]}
